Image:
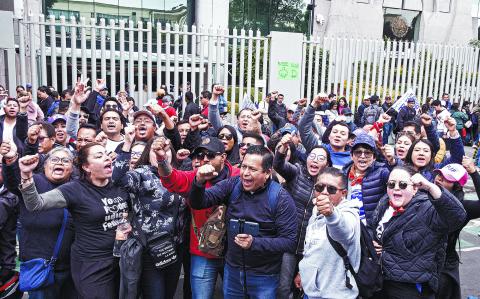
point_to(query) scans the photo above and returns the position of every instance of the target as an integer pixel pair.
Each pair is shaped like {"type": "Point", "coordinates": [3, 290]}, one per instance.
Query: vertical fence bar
{"type": "Point", "coordinates": [422, 69]}
{"type": "Point", "coordinates": [477, 91]}
{"type": "Point", "coordinates": [121, 47]}
{"type": "Point", "coordinates": [63, 52]}
{"type": "Point", "coordinates": [338, 63]}
{"type": "Point", "coordinates": [233, 94]}
{"type": "Point", "coordinates": [21, 50]}
{"type": "Point", "coordinates": [193, 79]}
{"type": "Point", "coordinates": [355, 73]}
{"type": "Point", "coordinates": [317, 67]}
{"type": "Point", "coordinates": [368, 68]}
{"type": "Point", "coordinates": [404, 67]}
{"type": "Point", "coordinates": [411, 55]}
{"type": "Point", "coordinates": [33, 56]}
{"type": "Point", "coordinates": [303, 68]}
{"type": "Point", "coordinates": [446, 51]}
{"type": "Point", "coordinates": [43, 56]}
{"type": "Point", "coordinates": [242, 68]}
{"type": "Point", "coordinates": [141, 98]}
{"type": "Point", "coordinates": [83, 44]}
{"type": "Point", "coordinates": [201, 80]}
{"type": "Point", "coordinates": [225, 57]}
{"type": "Point", "coordinates": [463, 86]}
{"type": "Point", "coordinates": [218, 60]}
{"type": "Point", "coordinates": [113, 68]}
{"type": "Point", "coordinates": [350, 59]}
{"type": "Point", "coordinates": [168, 82]}
{"type": "Point", "coordinates": [374, 66]}
{"type": "Point", "coordinates": [309, 68]}
{"type": "Point", "coordinates": [427, 71]}
{"type": "Point", "coordinates": [415, 68]}
{"type": "Point", "coordinates": [324, 65]}
{"type": "Point", "coordinates": [210, 57]}
{"type": "Point", "coordinates": [249, 64]}
{"type": "Point", "coordinates": [391, 87]}
{"type": "Point", "coordinates": [473, 70]}
{"type": "Point", "coordinates": [448, 75]}
{"type": "Point", "coordinates": [93, 50]}
{"type": "Point", "coordinates": [385, 73]}
{"type": "Point", "coordinates": [399, 67]}
{"type": "Point", "coordinates": [454, 70]}
{"type": "Point", "coordinates": [53, 53]}
{"type": "Point", "coordinates": [432, 71]}
{"type": "Point", "coordinates": [461, 63]}
{"type": "Point", "coordinates": [362, 66]}
{"type": "Point", "coordinates": [380, 86]}
{"type": "Point", "coordinates": [131, 58]}
{"type": "Point", "coordinates": [437, 71]}
{"type": "Point", "coordinates": [103, 54]}
{"type": "Point", "coordinates": [185, 60]}
{"type": "Point", "coordinates": [265, 64]}
{"type": "Point", "coordinates": [176, 45]}
{"type": "Point", "coordinates": [149, 61]}
{"type": "Point", "coordinates": [343, 66]}
{"type": "Point", "coordinates": [330, 71]}
{"type": "Point", "coordinates": [257, 65]}
{"type": "Point", "coordinates": [158, 33]}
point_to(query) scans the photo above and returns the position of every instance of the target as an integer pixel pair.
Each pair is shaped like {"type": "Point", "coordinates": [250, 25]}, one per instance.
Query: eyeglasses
{"type": "Point", "coordinates": [245, 144]}
{"type": "Point", "coordinates": [136, 154]}
{"type": "Point", "coordinates": [366, 154]}
{"type": "Point", "coordinates": [330, 189]}
{"type": "Point", "coordinates": [111, 106]}
{"type": "Point", "coordinates": [57, 160]}
{"type": "Point", "coordinates": [319, 157]}
{"type": "Point", "coordinates": [401, 184]}
{"type": "Point", "coordinates": [147, 121]}
{"type": "Point", "coordinates": [209, 155]}
{"type": "Point", "coordinates": [225, 136]}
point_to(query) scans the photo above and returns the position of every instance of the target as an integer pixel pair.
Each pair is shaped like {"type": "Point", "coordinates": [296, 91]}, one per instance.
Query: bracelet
{"type": "Point", "coordinates": [8, 160]}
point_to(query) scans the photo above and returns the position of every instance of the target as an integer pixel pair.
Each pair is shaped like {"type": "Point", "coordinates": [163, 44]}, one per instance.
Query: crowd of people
{"type": "Point", "coordinates": [312, 200]}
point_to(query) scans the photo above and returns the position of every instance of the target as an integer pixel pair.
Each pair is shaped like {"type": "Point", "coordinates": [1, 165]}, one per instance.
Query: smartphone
{"type": "Point", "coordinates": [241, 226]}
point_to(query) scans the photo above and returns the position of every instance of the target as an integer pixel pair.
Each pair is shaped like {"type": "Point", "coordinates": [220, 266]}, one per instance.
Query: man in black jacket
{"type": "Point", "coordinates": [266, 225]}
{"type": "Point", "coordinates": [406, 113]}
{"type": "Point", "coordinates": [277, 112]}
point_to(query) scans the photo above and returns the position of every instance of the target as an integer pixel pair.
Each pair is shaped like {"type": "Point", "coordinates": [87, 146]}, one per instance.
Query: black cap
{"type": "Point", "coordinates": [212, 144]}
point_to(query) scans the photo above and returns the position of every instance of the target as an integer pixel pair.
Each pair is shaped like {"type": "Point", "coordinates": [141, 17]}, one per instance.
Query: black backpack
{"type": "Point", "coordinates": [369, 275]}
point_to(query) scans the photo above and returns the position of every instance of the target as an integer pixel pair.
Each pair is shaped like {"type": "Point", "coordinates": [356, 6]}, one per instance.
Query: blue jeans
{"type": "Point", "coordinates": [203, 276]}
{"type": "Point", "coordinates": [387, 130]}
{"type": "Point", "coordinates": [258, 286]}
{"type": "Point", "coordinates": [62, 288]}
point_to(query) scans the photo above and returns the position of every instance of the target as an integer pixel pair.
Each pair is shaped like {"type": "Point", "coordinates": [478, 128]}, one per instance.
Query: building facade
{"type": "Point", "coordinates": [437, 21]}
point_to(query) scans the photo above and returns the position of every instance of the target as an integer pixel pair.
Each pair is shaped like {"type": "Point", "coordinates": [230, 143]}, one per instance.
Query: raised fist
{"type": "Point", "coordinates": [205, 172]}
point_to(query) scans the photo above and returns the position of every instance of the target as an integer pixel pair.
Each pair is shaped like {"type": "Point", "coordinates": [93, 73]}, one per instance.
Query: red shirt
{"type": "Point", "coordinates": [180, 182]}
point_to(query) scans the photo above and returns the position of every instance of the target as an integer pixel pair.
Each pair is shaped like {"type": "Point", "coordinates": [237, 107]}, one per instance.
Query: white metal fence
{"type": "Point", "coordinates": [356, 68]}
{"type": "Point", "coordinates": [148, 55]}
{"type": "Point", "coordinates": [56, 52]}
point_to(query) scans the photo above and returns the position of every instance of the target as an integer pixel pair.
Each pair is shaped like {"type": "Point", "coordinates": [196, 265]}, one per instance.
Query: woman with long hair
{"type": "Point", "coordinates": [97, 207]}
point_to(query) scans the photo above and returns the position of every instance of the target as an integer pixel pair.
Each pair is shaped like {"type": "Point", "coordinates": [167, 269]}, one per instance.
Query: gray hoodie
{"type": "Point", "coordinates": [321, 269]}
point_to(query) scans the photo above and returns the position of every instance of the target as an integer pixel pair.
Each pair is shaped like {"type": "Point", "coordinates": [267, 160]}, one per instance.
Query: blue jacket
{"type": "Point", "coordinates": [374, 185]}
{"type": "Point", "coordinates": [414, 242]}
{"type": "Point", "coordinates": [405, 114]}
{"type": "Point", "coordinates": [278, 228]}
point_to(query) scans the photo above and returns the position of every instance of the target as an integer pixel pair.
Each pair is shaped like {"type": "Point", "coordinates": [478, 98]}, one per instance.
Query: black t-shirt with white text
{"type": "Point", "coordinates": [96, 211]}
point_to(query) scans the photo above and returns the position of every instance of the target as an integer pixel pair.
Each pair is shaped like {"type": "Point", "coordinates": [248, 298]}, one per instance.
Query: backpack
{"type": "Point", "coordinates": [211, 237]}
{"type": "Point", "coordinates": [369, 277]}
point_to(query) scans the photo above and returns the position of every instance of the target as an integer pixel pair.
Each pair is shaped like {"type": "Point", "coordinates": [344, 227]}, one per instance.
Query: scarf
{"type": "Point", "coordinates": [354, 180]}
{"type": "Point", "coordinates": [396, 210]}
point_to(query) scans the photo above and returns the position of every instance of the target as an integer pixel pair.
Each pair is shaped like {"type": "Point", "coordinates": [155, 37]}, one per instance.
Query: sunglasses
{"type": "Point", "coordinates": [245, 144]}
{"type": "Point", "coordinates": [401, 184]}
{"type": "Point", "coordinates": [359, 153]}
{"type": "Point", "coordinates": [209, 155]}
{"type": "Point", "coordinates": [330, 189]}
{"type": "Point", "coordinates": [225, 136]}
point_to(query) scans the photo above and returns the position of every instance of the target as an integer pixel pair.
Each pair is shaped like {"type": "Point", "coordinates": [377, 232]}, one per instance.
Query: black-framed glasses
{"type": "Point", "coordinates": [111, 106]}
{"type": "Point", "coordinates": [401, 184]}
{"type": "Point", "coordinates": [209, 155]}
{"type": "Point", "coordinates": [57, 160]}
{"type": "Point", "coordinates": [330, 189]}
{"type": "Point", "coordinates": [245, 144]}
{"type": "Point", "coordinates": [225, 136]}
{"type": "Point", "coordinates": [359, 153]}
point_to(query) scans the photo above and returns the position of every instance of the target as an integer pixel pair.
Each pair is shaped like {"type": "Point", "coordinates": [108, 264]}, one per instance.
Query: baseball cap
{"type": "Point", "coordinates": [411, 100]}
{"type": "Point", "coordinates": [292, 107]}
{"type": "Point", "coordinates": [346, 111]}
{"type": "Point", "coordinates": [364, 139]}
{"type": "Point", "coordinates": [454, 173]}
{"type": "Point", "coordinates": [212, 144]}
{"type": "Point", "coordinates": [57, 117]}
{"type": "Point", "coordinates": [28, 85]}
{"type": "Point", "coordinates": [146, 113]}
{"type": "Point", "coordinates": [150, 103]}
{"type": "Point", "coordinates": [288, 129]}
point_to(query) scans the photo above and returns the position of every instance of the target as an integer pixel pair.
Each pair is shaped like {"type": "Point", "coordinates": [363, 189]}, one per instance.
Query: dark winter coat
{"type": "Point", "coordinates": [277, 114]}
{"type": "Point", "coordinates": [414, 241]}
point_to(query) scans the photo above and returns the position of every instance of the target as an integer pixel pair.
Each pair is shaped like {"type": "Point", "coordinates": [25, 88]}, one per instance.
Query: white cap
{"type": "Point", "coordinates": [322, 95]}
{"type": "Point", "coordinates": [150, 102]}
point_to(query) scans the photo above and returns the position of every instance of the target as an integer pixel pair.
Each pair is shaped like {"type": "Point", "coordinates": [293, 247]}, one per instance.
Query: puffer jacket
{"type": "Point", "coordinates": [374, 185]}
{"type": "Point", "coordinates": [156, 210]}
{"type": "Point", "coordinates": [300, 185]}
{"type": "Point", "coordinates": [277, 114]}
{"type": "Point", "coordinates": [414, 242]}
